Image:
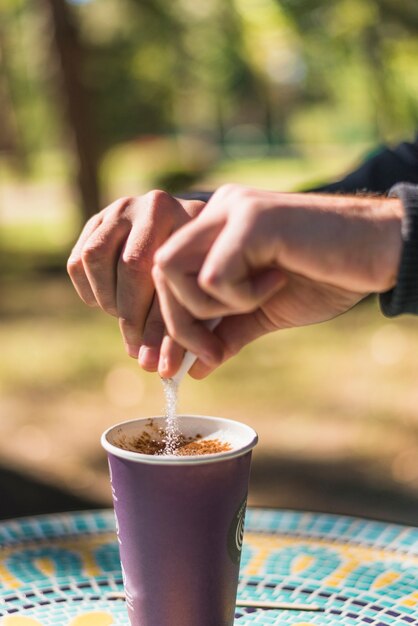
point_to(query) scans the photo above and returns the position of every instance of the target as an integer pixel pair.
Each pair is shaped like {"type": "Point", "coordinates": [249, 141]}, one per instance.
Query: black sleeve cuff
{"type": "Point", "coordinates": [204, 196]}
{"type": "Point", "coordinates": [403, 298]}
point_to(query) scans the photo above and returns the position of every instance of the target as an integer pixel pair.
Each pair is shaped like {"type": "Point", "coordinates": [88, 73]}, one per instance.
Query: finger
{"type": "Point", "coordinates": [156, 216]}
{"type": "Point", "coordinates": [75, 267]}
{"type": "Point", "coordinates": [188, 246]}
{"type": "Point", "coordinates": [149, 352]}
{"type": "Point", "coordinates": [235, 332]}
{"type": "Point", "coordinates": [190, 333]}
{"type": "Point", "coordinates": [230, 275]}
{"type": "Point", "coordinates": [100, 258]}
{"type": "Point", "coordinates": [171, 357]}
{"type": "Point", "coordinates": [199, 304]}
{"type": "Point", "coordinates": [180, 260]}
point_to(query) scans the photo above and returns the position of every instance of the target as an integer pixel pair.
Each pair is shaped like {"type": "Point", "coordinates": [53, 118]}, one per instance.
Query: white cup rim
{"type": "Point", "coordinates": [249, 435]}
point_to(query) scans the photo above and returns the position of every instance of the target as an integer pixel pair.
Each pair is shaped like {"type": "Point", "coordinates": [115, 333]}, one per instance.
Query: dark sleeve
{"type": "Point", "coordinates": [204, 196]}
{"type": "Point", "coordinates": [380, 172]}
{"type": "Point", "coordinates": [403, 298]}
{"type": "Point", "coordinates": [377, 174]}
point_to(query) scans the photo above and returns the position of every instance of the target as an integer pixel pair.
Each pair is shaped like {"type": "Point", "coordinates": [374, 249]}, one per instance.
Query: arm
{"type": "Point", "coordinates": [264, 261]}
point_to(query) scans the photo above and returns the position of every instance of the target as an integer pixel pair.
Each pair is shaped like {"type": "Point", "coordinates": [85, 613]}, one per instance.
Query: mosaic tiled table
{"type": "Point", "coordinates": [63, 570]}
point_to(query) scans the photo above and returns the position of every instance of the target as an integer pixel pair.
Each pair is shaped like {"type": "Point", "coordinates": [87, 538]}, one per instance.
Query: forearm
{"type": "Point", "coordinates": [353, 242]}
{"type": "Point", "coordinates": [385, 241]}
{"type": "Point", "coordinates": [375, 238]}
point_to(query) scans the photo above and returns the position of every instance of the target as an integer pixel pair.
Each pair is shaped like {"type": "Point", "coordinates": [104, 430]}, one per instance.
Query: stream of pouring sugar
{"type": "Point", "coordinates": [172, 430]}
{"type": "Point", "coordinates": [171, 386]}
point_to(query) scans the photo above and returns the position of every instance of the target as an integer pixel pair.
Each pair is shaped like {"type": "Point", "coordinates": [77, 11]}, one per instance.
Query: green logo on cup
{"type": "Point", "coordinates": [236, 533]}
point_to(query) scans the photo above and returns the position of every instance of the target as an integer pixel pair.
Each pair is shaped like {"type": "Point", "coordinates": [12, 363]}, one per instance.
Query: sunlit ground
{"type": "Point", "coordinates": [337, 401]}
{"type": "Point", "coordinates": [342, 393]}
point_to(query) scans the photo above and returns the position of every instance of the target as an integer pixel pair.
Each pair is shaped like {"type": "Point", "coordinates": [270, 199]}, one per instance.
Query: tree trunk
{"type": "Point", "coordinates": [72, 92]}
{"type": "Point", "coordinates": [11, 140]}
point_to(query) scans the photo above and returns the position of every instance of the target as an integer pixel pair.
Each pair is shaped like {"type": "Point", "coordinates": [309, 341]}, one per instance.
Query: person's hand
{"type": "Point", "coordinates": [264, 261]}
{"type": "Point", "coordinates": [110, 266]}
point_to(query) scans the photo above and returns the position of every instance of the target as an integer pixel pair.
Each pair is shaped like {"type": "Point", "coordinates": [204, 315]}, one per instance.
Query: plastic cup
{"type": "Point", "coordinates": [180, 522]}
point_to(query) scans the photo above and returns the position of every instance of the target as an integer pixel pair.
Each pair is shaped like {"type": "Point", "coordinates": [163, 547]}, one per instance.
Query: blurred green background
{"type": "Point", "coordinates": [105, 98]}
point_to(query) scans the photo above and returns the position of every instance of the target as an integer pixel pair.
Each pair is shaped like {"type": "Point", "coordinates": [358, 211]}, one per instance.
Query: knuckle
{"type": "Point", "coordinates": [88, 254]}
{"type": "Point", "coordinates": [157, 195]}
{"type": "Point", "coordinates": [136, 263]}
{"type": "Point", "coordinates": [160, 204]}
{"type": "Point", "coordinates": [74, 265]}
{"type": "Point", "coordinates": [230, 191]}
{"type": "Point", "coordinates": [96, 249]}
{"type": "Point", "coordinates": [127, 323]}
{"type": "Point", "coordinates": [210, 280]}
{"type": "Point", "coordinates": [92, 221]}
{"type": "Point", "coordinates": [122, 205]}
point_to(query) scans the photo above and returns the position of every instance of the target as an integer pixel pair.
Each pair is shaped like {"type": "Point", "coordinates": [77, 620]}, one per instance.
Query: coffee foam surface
{"type": "Point", "coordinates": [239, 436]}
{"type": "Point", "coordinates": [224, 436]}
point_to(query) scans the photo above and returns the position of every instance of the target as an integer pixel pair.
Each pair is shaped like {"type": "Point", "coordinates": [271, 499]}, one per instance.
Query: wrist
{"type": "Point", "coordinates": [388, 244]}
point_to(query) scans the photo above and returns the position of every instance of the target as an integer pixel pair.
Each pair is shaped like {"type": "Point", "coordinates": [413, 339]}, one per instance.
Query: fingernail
{"type": "Point", "coordinates": [132, 350]}
{"type": "Point", "coordinates": [162, 365]}
{"type": "Point", "coordinates": [148, 357]}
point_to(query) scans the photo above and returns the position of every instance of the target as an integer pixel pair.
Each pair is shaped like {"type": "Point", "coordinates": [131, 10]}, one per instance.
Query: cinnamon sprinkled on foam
{"type": "Point", "coordinates": [153, 442]}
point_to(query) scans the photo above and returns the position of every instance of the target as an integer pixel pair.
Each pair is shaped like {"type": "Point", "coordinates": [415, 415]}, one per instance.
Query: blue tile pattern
{"type": "Point", "coordinates": [61, 569]}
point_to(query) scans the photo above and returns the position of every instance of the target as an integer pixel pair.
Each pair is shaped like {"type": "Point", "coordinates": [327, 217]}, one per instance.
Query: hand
{"type": "Point", "coordinates": [264, 261]}
{"type": "Point", "coordinates": [110, 266]}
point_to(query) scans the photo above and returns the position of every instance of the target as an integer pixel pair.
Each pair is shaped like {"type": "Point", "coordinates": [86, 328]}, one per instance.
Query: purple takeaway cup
{"type": "Point", "coordinates": [180, 522]}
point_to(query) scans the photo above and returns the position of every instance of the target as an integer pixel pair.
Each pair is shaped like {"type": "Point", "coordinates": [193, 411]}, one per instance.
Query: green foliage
{"type": "Point", "coordinates": [32, 110]}
{"type": "Point", "coordinates": [297, 69]}
{"type": "Point", "coordinates": [130, 67]}
{"type": "Point", "coordinates": [127, 101]}
{"type": "Point", "coordinates": [354, 45]}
